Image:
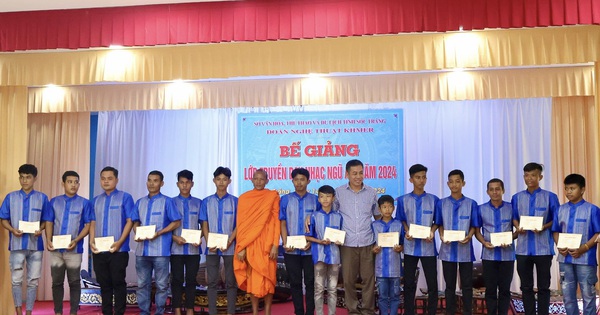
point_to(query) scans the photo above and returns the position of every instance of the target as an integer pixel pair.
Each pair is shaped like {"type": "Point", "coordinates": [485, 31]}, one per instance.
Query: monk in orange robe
{"type": "Point", "coordinates": [257, 246]}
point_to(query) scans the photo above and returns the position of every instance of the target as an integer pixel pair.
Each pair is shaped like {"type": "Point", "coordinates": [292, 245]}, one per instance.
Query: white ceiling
{"type": "Point", "coordinates": [36, 5]}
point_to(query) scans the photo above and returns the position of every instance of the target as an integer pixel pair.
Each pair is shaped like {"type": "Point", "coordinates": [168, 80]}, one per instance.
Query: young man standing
{"type": "Point", "coordinates": [457, 213]}
{"type": "Point", "coordinates": [218, 214]}
{"type": "Point", "coordinates": [417, 208]}
{"type": "Point", "coordinates": [71, 216]}
{"type": "Point", "coordinates": [153, 252]}
{"type": "Point", "coordinates": [113, 211]}
{"type": "Point", "coordinates": [26, 205]}
{"type": "Point", "coordinates": [357, 204]}
{"type": "Point", "coordinates": [534, 248]}
{"type": "Point", "coordinates": [498, 261]}
{"type": "Point", "coordinates": [185, 254]}
{"type": "Point", "coordinates": [294, 208]}
{"type": "Point", "coordinates": [578, 265]}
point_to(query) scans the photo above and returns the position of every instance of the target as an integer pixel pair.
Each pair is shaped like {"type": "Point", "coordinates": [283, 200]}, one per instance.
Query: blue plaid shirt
{"type": "Point", "coordinates": [319, 220]}
{"type": "Point", "coordinates": [220, 214]}
{"type": "Point", "coordinates": [458, 215]}
{"type": "Point", "coordinates": [32, 207]}
{"type": "Point", "coordinates": [70, 215]}
{"type": "Point", "coordinates": [388, 263]}
{"type": "Point", "coordinates": [495, 220]}
{"type": "Point", "coordinates": [294, 210]}
{"type": "Point", "coordinates": [420, 210]}
{"type": "Point", "coordinates": [157, 210]}
{"type": "Point", "coordinates": [580, 218]}
{"type": "Point", "coordinates": [111, 213]}
{"type": "Point", "coordinates": [540, 203]}
{"type": "Point", "coordinates": [189, 209]}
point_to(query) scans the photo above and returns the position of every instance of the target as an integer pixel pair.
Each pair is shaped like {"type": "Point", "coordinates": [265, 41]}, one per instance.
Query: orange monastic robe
{"type": "Point", "coordinates": [258, 229]}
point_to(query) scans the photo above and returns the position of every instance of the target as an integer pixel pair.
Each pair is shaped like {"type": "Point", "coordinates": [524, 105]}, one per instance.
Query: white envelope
{"type": "Point", "coordinates": [501, 238]}
{"type": "Point", "coordinates": [29, 227]}
{"type": "Point", "coordinates": [389, 239]}
{"type": "Point", "coordinates": [103, 244]}
{"type": "Point", "coordinates": [61, 241]}
{"type": "Point", "coordinates": [530, 223]}
{"type": "Point", "coordinates": [296, 241]}
{"type": "Point", "coordinates": [145, 232]}
{"type": "Point", "coordinates": [334, 235]}
{"type": "Point", "coordinates": [569, 240]}
{"type": "Point", "coordinates": [191, 236]}
{"type": "Point", "coordinates": [419, 231]}
{"type": "Point", "coordinates": [454, 236]}
{"type": "Point", "coordinates": [217, 240]}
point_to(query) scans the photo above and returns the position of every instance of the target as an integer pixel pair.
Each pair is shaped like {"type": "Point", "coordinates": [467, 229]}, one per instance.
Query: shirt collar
{"type": "Point", "coordinates": [577, 204]}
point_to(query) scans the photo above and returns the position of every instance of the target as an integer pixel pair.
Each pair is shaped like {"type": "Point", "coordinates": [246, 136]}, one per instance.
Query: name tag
{"type": "Point", "coordinates": [464, 217]}
{"type": "Point", "coordinates": [580, 220]}
{"type": "Point", "coordinates": [540, 209]}
{"type": "Point", "coordinates": [36, 210]}
{"type": "Point", "coordinates": [506, 220]}
{"type": "Point", "coordinates": [74, 212]}
{"type": "Point", "coordinates": [156, 213]}
{"type": "Point", "coordinates": [194, 212]}
{"type": "Point", "coordinates": [427, 211]}
{"type": "Point", "coordinates": [114, 207]}
{"type": "Point", "coordinates": [227, 212]}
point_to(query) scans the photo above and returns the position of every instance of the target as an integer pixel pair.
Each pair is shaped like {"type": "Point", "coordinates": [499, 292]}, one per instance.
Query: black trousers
{"type": "Point", "coordinates": [429, 264]}
{"type": "Point", "coordinates": [497, 276]}
{"type": "Point", "coordinates": [525, 270]}
{"type": "Point", "coordinates": [296, 266]}
{"type": "Point", "coordinates": [466, 286]}
{"type": "Point", "coordinates": [184, 268]}
{"type": "Point", "coordinates": [110, 270]}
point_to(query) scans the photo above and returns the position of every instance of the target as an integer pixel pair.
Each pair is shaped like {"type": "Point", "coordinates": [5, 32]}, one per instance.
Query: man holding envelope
{"type": "Point", "coordinates": [533, 210]}
{"type": "Point", "coordinates": [109, 241]}
{"type": "Point", "coordinates": [575, 228]}
{"type": "Point", "coordinates": [67, 224]}
{"type": "Point", "coordinates": [185, 250]}
{"type": "Point", "coordinates": [294, 208]}
{"type": "Point", "coordinates": [456, 217]}
{"type": "Point", "coordinates": [155, 217]}
{"type": "Point", "coordinates": [218, 213]}
{"type": "Point", "coordinates": [416, 212]}
{"type": "Point", "coordinates": [21, 213]}
{"type": "Point", "coordinates": [498, 252]}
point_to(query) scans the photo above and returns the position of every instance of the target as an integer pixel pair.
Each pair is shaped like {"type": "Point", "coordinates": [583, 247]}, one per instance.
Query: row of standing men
{"type": "Point", "coordinates": [113, 213]}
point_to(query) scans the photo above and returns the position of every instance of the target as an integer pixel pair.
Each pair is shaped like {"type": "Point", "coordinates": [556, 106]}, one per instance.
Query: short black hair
{"type": "Point", "coordinates": [185, 174]}
{"type": "Point", "coordinates": [69, 173]}
{"type": "Point", "coordinates": [532, 166]}
{"type": "Point", "coordinates": [576, 179]}
{"type": "Point", "coordinates": [457, 172]}
{"type": "Point", "coordinates": [326, 189]}
{"type": "Point", "coordinates": [354, 162]}
{"type": "Point", "coordinates": [110, 169]}
{"type": "Point", "coordinates": [416, 168]}
{"type": "Point", "coordinates": [495, 180]}
{"type": "Point", "coordinates": [385, 198]}
{"type": "Point", "coordinates": [301, 171]}
{"type": "Point", "coordinates": [222, 170]}
{"type": "Point", "coordinates": [28, 169]}
{"type": "Point", "coordinates": [159, 173]}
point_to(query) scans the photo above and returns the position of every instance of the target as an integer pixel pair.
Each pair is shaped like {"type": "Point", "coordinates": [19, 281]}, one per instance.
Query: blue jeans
{"type": "Point", "coordinates": [389, 295]}
{"type": "Point", "coordinates": [144, 267]}
{"type": "Point", "coordinates": [17, 260]}
{"type": "Point", "coordinates": [585, 276]}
